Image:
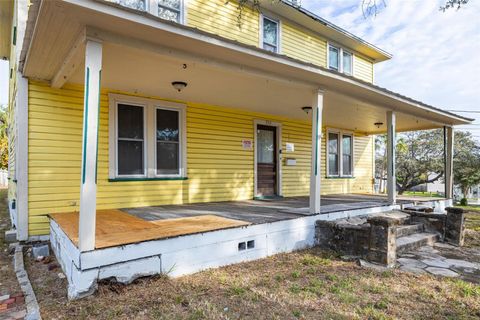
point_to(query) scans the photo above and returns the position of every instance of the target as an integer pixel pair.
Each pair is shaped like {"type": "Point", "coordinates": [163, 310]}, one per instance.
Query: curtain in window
{"type": "Point", "coordinates": [270, 35]}
{"type": "Point", "coordinates": [134, 4]}
{"type": "Point", "coordinates": [130, 142]}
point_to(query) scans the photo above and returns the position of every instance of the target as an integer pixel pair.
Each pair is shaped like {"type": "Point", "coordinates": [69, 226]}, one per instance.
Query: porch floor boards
{"type": "Point", "coordinates": [114, 227]}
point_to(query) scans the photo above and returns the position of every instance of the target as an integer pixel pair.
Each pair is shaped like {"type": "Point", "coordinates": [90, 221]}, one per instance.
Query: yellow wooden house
{"type": "Point", "coordinates": [170, 136]}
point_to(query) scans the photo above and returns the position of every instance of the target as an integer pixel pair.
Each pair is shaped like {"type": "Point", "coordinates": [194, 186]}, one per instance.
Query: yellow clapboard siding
{"type": "Point", "coordinates": [363, 69]}
{"type": "Point", "coordinates": [303, 45]}
{"type": "Point", "coordinates": [218, 167]}
{"type": "Point", "coordinates": [220, 17]}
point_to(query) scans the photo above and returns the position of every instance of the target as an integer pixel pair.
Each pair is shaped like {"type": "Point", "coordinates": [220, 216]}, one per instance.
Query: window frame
{"type": "Point", "coordinates": [144, 140]}
{"type": "Point", "coordinates": [262, 33]}
{"type": "Point", "coordinates": [181, 143]}
{"type": "Point", "coordinates": [341, 50]}
{"type": "Point", "coordinates": [341, 134]}
{"type": "Point", "coordinates": [150, 138]}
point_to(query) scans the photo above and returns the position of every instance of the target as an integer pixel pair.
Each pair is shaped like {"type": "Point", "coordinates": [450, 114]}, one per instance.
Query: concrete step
{"type": "Point", "coordinates": [415, 241]}
{"type": "Point", "coordinates": [406, 230]}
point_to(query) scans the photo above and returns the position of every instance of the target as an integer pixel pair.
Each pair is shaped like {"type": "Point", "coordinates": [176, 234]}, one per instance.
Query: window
{"type": "Point", "coordinates": [168, 142]}
{"type": "Point", "coordinates": [147, 138]}
{"type": "Point", "coordinates": [130, 140]}
{"type": "Point", "coordinates": [270, 34]}
{"type": "Point", "coordinates": [334, 58]}
{"type": "Point", "coordinates": [170, 10]}
{"type": "Point", "coordinates": [340, 60]}
{"type": "Point", "coordinates": [347, 62]}
{"type": "Point", "coordinates": [339, 154]}
{"type": "Point", "coordinates": [134, 4]}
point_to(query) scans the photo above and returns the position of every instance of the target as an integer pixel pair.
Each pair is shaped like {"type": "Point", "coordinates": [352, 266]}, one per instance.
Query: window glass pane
{"type": "Point", "coordinates": [167, 125]}
{"type": "Point", "coordinates": [167, 158]}
{"type": "Point", "coordinates": [333, 58]}
{"type": "Point", "coordinates": [130, 122]}
{"type": "Point", "coordinates": [269, 47]}
{"type": "Point", "coordinates": [134, 4]}
{"type": "Point", "coordinates": [168, 142]}
{"type": "Point", "coordinates": [130, 157]}
{"type": "Point", "coordinates": [332, 153]}
{"type": "Point", "coordinates": [266, 146]}
{"type": "Point", "coordinates": [347, 155]}
{"type": "Point", "coordinates": [347, 62]}
{"type": "Point", "coordinates": [173, 4]}
{"type": "Point", "coordinates": [270, 32]}
{"type": "Point", "coordinates": [168, 14]}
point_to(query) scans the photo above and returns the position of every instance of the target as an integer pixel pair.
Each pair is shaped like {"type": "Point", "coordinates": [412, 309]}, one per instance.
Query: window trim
{"type": "Point", "coordinates": [279, 31]}
{"type": "Point", "coordinates": [340, 58]}
{"type": "Point", "coordinates": [340, 134]}
{"type": "Point", "coordinates": [150, 157]}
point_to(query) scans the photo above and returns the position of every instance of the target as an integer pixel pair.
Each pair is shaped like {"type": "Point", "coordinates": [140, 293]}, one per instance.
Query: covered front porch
{"type": "Point", "coordinates": [229, 91]}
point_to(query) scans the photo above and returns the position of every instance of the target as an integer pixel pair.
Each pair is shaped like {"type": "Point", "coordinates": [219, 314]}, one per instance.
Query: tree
{"type": "Point", "coordinates": [466, 161]}
{"type": "Point", "coordinates": [3, 138]}
{"type": "Point", "coordinates": [420, 159]}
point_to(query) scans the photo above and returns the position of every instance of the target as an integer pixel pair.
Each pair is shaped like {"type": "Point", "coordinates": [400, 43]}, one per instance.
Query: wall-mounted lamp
{"type": "Point", "coordinates": [179, 85]}
{"type": "Point", "coordinates": [378, 124]}
{"type": "Point", "coordinates": [307, 109]}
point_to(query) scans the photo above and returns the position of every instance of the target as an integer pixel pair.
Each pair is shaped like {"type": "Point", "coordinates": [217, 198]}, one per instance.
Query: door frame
{"type": "Point", "coordinates": [278, 156]}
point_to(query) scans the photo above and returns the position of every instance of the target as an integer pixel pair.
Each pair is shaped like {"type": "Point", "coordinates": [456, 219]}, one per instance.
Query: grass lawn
{"type": "Point", "coordinates": [422, 194]}
{"type": "Point", "coordinates": [309, 284]}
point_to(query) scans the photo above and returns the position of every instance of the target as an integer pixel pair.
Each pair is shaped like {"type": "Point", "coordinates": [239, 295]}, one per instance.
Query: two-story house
{"type": "Point", "coordinates": [171, 136]}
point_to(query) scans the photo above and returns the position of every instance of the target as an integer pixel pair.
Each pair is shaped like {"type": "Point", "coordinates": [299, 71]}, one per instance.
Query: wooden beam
{"type": "Point", "coordinates": [71, 62]}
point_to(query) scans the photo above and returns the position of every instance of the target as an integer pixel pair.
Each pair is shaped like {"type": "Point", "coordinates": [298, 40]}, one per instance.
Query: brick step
{"type": "Point", "coordinates": [415, 241]}
{"type": "Point", "coordinates": [406, 230]}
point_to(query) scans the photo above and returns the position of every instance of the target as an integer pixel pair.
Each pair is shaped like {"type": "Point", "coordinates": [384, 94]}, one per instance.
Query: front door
{"type": "Point", "coordinates": [266, 161]}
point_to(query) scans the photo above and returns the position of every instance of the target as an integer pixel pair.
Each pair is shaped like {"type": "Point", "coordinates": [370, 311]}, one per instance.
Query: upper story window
{"type": "Point", "coordinates": [340, 60]}
{"type": "Point", "coordinates": [148, 138]}
{"type": "Point", "coordinates": [170, 10]}
{"type": "Point", "coordinates": [339, 154]}
{"type": "Point", "coordinates": [166, 9]}
{"type": "Point", "coordinates": [270, 34]}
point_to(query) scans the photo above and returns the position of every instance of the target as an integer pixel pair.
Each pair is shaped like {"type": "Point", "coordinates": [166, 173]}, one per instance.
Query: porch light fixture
{"type": "Point", "coordinates": [179, 85]}
{"type": "Point", "coordinates": [378, 124]}
{"type": "Point", "coordinates": [307, 109]}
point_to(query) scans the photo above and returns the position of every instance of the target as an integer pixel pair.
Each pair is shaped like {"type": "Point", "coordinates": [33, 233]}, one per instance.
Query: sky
{"type": "Point", "coordinates": [435, 54]}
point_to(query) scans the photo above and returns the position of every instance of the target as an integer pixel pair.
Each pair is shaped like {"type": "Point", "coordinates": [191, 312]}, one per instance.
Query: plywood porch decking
{"type": "Point", "coordinates": [115, 228]}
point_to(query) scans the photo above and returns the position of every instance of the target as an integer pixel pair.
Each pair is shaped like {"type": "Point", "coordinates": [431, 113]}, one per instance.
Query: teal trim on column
{"type": "Point", "coordinates": [85, 126]}
{"type": "Point", "coordinates": [98, 122]}
{"type": "Point", "coordinates": [316, 145]}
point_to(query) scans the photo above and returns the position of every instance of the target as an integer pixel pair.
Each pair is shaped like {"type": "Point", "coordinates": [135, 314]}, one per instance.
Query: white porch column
{"type": "Point", "coordinates": [88, 189]}
{"type": "Point", "coordinates": [315, 176]}
{"type": "Point", "coordinates": [391, 145]}
{"type": "Point", "coordinates": [448, 131]}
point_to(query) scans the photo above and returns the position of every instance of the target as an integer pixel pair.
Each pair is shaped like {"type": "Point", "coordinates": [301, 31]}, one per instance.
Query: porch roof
{"type": "Point", "coordinates": [250, 77]}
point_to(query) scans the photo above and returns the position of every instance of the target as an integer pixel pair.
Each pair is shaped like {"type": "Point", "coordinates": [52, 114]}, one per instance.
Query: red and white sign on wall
{"type": "Point", "coordinates": [247, 144]}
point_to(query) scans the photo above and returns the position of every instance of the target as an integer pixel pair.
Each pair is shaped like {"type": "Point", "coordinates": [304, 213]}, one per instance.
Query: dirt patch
{"type": "Point", "coordinates": [8, 279]}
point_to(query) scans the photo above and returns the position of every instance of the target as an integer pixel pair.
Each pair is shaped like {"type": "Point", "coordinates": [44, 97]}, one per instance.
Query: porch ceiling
{"type": "Point", "coordinates": [144, 55]}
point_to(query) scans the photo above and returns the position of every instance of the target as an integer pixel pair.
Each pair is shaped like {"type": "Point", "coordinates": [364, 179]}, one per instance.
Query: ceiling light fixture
{"type": "Point", "coordinates": [179, 85]}
{"type": "Point", "coordinates": [307, 109]}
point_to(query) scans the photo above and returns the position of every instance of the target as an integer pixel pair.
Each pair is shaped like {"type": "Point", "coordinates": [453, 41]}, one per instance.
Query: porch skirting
{"type": "Point", "coordinates": [186, 254]}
